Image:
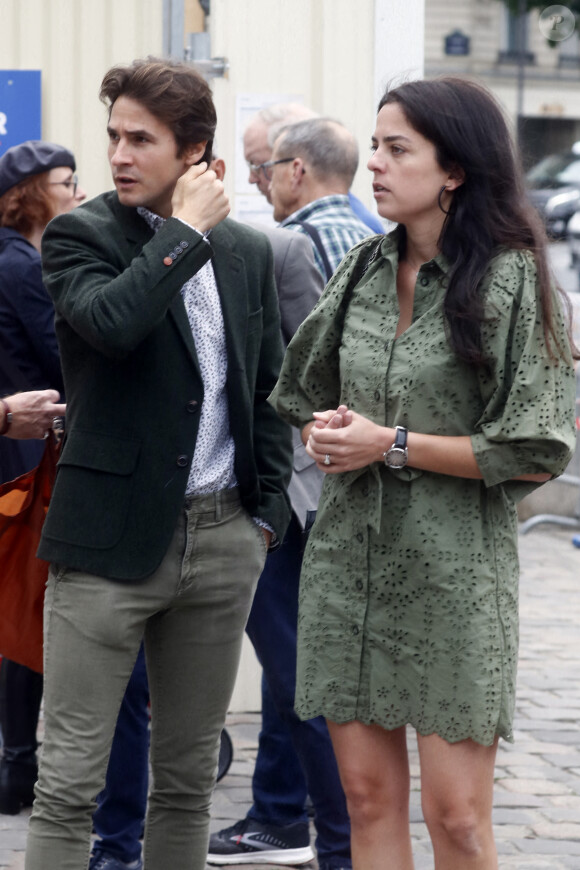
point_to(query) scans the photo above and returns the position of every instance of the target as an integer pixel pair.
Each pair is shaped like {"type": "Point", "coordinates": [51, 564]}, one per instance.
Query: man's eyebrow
{"type": "Point", "coordinates": [140, 132]}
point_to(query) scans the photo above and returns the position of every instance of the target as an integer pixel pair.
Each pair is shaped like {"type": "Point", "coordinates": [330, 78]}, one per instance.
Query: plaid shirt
{"type": "Point", "coordinates": [337, 224]}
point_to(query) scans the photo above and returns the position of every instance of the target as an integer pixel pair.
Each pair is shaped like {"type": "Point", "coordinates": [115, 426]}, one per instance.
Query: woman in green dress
{"type": "Point", "coordinates": [434, 385]}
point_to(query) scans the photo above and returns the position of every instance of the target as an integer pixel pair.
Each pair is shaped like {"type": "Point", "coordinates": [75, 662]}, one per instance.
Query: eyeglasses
{"type": "Point", "coordinates": [267, 166]}
{"type": "Point", "coordinates": [71, 182]}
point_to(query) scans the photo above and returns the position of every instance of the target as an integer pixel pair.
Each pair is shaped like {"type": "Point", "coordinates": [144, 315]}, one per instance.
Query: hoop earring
{"type": "Point", "coordinates": [439, 200]}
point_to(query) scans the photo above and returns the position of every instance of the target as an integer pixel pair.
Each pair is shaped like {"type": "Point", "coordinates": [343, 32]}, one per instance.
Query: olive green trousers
{"type": "Point", "coordinates": [191, 614]}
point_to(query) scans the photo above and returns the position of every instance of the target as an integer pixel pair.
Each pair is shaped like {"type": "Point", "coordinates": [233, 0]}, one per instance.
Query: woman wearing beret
{"type": "Point", "coordinates": [438, 370]}
{"type": "Point", "coordinates": [37, 182]}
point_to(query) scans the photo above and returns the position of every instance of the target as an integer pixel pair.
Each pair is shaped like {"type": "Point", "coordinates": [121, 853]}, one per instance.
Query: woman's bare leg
{"type": "Point", "coordinates": [457, 797]}
{"type": "Point", "coordinates": [374, 771]}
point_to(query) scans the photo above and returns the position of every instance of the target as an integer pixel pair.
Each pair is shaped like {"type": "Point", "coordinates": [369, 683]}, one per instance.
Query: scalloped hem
{"type": "Point", "coordinates": [455, 736]}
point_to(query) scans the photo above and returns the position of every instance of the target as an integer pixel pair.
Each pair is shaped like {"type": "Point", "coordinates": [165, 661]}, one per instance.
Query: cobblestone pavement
{"type": "Point", "coordinates": [537, 791]}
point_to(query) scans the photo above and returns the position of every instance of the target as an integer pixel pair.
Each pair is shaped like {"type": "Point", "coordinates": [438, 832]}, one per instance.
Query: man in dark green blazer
{"type": "Point", "coordinates": [172, 479]}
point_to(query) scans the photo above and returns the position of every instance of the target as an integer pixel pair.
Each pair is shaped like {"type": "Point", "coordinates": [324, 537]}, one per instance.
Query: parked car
{"type": "Point", "coordinates": [554, 188]}
{"type": "Point", "coordinates": [574, 239]}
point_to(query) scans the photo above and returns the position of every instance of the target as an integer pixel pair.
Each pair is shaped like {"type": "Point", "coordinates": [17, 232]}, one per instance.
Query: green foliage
{"type": "Point", "coordinates": [514, 5]}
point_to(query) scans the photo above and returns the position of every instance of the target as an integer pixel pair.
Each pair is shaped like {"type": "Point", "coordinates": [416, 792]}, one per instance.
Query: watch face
{"type": "Point", "coordinates": [396, 457]}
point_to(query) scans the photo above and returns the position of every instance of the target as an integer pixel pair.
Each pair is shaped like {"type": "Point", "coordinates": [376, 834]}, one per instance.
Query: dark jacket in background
{"type": "Point", "coordinates": [28, 338]}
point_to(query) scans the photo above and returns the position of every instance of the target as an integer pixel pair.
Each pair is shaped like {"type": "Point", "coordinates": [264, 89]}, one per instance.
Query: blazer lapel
{"type": "Point", "coordinates": [230, 272]}
{"type": "Point", "coordinates": [179, 314]}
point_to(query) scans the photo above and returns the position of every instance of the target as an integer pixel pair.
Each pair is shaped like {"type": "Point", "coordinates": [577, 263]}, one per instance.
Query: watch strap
{"type": "Point", "coordinates": [400, 437]}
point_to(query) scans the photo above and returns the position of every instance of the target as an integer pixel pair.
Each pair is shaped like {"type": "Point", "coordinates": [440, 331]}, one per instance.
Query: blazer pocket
{"type": "Point", "coordinates": [92, 493]}
{"type": "Point", "coordinates": [255, 320]}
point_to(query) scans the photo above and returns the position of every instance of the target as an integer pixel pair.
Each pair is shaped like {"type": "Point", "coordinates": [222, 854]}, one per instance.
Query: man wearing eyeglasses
{"type": "Point", "coordinates": [259, 138]}
{"type": "Point", "coordinates": [312, 168]}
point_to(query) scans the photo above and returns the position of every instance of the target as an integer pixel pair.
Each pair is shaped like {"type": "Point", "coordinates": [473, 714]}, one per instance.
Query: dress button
{"type": "Point", "coordinates": [182, 460]}
{"type": "Point", "coordinates": [377, 396]}
{"type": "Point", "coordinates": [355, 629]}
{"type": "Point", "coordinates": [424, 281]}
{"type": "Point", "coordinates": [192, 406]}
{"type": "Point", "coordinates": [360, 537]}
{"type": "Point", "coordinates": [359, 584]}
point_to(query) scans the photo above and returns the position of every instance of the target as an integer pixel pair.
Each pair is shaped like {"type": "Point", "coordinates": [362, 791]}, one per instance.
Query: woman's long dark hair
{"type": "Point", "coordinates": [490, 209]}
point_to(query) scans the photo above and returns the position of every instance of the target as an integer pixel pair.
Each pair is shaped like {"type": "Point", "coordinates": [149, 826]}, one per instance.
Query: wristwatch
{"type": "Point", "coordinates": [396, 455]}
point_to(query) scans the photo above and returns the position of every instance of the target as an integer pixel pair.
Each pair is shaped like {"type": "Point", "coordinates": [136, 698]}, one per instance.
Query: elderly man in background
{"type": "Point", "coordinates": [259, 138]}
{"type": "Point", "coordinates": [313, 166]}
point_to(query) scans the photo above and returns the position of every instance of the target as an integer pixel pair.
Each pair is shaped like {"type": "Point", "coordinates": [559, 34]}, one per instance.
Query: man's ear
{"type": "Point", "coordinates": [219, 167]}
{"type": "Point", "coordinates": [193, 153]}
{"type": "Point", "coordinates": [297, 171]}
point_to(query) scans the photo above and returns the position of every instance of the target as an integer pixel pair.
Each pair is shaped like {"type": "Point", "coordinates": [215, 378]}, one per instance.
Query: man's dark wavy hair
{"type": "Point", "coordinates": [173, 92]}
{"type": "Point", "coordinates": [489, 210]}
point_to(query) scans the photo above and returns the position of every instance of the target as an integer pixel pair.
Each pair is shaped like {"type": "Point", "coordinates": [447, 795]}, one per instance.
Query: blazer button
{"type": "Point", "coordinates": [192, 406]}
{"type": "Point", "coordinates": [182, 460]}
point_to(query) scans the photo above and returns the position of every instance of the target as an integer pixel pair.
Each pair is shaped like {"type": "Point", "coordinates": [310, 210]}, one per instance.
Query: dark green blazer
{"type": "Point", "coordinates": [134, 388]}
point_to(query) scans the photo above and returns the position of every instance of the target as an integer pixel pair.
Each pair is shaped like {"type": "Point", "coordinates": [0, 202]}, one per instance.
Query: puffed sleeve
{"type": "Point", "coordinates": [528, 422]}
{"type": "Point", "coordinates": [310, 379]}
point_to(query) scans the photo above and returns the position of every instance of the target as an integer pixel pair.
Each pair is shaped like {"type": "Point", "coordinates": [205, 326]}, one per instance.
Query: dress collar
{"type": "Point", "coordinates": [390, 250]}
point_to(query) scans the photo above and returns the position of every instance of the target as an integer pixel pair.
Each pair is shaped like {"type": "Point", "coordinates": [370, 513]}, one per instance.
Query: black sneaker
{"type": "Point", "coordinates": [103, 861]}
{"type": "Point", "coordinates": [252, 842]}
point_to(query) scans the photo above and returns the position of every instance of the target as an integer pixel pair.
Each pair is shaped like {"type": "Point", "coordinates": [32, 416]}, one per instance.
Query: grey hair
{"type": "Point", "coordinates": [279, 115]}
{"type": "Point", "coordinates": [326, 144]}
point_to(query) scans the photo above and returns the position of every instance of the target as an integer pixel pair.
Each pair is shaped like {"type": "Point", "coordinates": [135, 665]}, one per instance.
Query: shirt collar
{"type": "Point", "coordinates": [153, 221]}
{"type": "Point", "coordinates": [390, 251]}
{"type": "Point", "coordinates": [334, 200]}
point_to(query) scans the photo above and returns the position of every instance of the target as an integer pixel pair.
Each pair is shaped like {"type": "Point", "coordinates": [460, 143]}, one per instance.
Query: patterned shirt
{"type": "Point", "coordinates": [337, 224]}
{"type": "Point", "coordinates": [212, 468]}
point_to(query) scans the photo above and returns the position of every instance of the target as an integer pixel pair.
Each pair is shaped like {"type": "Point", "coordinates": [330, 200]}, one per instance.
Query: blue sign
{"type": "Point", "coordinates": [20, 107]}
{"type": "Point", "coordinates": [457, 43]}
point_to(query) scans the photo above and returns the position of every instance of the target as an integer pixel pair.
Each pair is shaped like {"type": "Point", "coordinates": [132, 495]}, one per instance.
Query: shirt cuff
{"type": "Point", "coordinates": [274, 542]}
{"type": "Point", "coordinates": [205, 236]}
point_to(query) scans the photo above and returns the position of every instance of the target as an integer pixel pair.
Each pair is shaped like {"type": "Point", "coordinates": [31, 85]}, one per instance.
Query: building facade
{"type": "Point", "coordinates": [540, 88]}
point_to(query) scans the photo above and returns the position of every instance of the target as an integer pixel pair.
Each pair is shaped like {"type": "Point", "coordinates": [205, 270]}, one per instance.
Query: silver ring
{"type": "Point", "coordinates": [327, 459]}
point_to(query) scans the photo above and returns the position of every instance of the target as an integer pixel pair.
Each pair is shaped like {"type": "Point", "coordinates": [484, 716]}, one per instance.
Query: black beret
{"type": "Point", "coordinates": [31, 158]}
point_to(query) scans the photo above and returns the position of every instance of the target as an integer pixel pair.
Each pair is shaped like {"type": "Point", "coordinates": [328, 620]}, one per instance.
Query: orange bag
{"type": "Point", "coordinates": [23, 506]}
